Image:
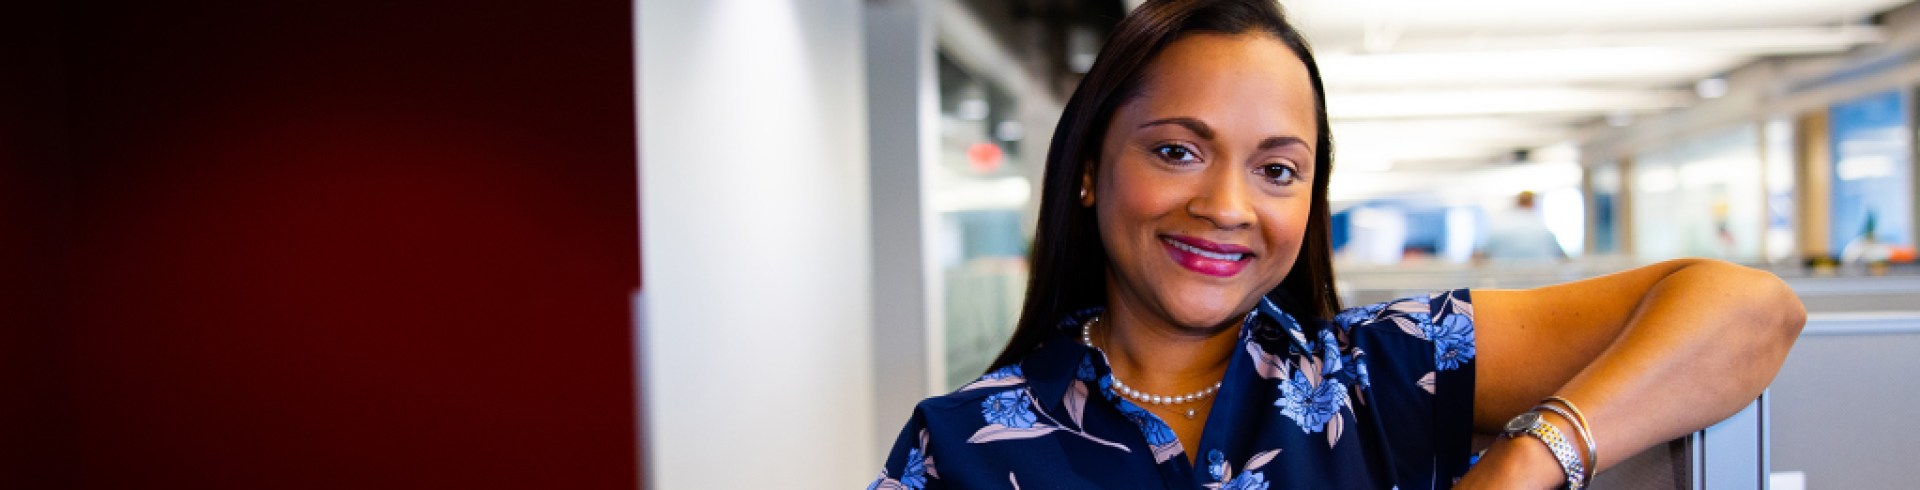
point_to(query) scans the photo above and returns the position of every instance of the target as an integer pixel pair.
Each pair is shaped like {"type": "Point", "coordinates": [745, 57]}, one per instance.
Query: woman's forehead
{"type": "Point", "coordinates": [1238, 80]}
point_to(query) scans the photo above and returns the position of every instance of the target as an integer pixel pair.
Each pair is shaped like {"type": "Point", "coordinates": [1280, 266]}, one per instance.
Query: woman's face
{"type": "Point", "coordinates": [1205, 179]}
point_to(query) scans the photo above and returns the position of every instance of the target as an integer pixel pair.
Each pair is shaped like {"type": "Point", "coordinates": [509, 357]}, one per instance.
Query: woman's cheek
{"type": "Point", "coordinates": [1135, 197]}
{"type": "Point", "coordinates": [1136, 189]}
{"type": "Point", "coordinates": [1288, 231]}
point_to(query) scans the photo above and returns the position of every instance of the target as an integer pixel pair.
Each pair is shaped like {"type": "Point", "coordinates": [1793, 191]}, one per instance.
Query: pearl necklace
{"type": "Point", "coordinates": [1086, 337]}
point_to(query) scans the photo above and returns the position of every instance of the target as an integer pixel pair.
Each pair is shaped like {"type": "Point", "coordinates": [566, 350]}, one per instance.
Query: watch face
{"type": "Point", "coordinates": [1523, 422]}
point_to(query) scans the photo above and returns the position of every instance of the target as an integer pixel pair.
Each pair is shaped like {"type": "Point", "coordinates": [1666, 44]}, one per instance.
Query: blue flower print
{"type": "Point", "coordinates": [1086, 369]}
{"type": "Point", "coordinates": [1355, 316]}
{"type": "Point", "coordinates": [1329, 353]}
{"type": "Point", "coordinates": [1418, 317]}
{"type": "Point", "coordinates": [1311, 406]}
{"type": "Point", "coordinates": [1251, 480]}
{"type": "Point", "coordinates": [1157, 432]}
{"type": "Point", "coordinates": [1300, 404]}
{"type": "Point", "coordinates": [1008, 408]}
{"type": "Point", "coordinates": [1360, 370]}
{"type": "Point", "coordinates": [1217, 464]}
{"type": "Point", "coordinates": [1452, 341]}
{"type": "Point", "coordinates": [1009, 371]}
{"type": "Point", "coordinates": [914, 475]}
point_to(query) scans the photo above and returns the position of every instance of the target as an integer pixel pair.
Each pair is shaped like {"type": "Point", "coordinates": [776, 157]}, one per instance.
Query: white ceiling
{"type": "Point", "coordinates": [1343, 24]}
{"type": "Point", "coordinates": [1428, 83]}
{"type": "Point", "coordinates": [1435, 84]}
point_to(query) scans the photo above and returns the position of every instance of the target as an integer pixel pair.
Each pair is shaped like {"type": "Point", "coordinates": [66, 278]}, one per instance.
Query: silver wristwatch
{"type": "Point", "coordinates": [1530, 423]}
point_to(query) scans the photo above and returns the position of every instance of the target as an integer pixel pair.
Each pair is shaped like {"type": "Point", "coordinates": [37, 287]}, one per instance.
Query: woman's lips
{"type": "Point", "coordinates": [1213, 259]}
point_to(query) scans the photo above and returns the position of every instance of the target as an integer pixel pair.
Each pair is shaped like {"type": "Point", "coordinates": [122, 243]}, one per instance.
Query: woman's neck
{"type": "Point", "coordinates": [1157, 356]}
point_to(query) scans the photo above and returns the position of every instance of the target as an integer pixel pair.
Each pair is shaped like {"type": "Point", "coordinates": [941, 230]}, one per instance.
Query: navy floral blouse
{"type": "Point", "coordinates": [1380, 398]}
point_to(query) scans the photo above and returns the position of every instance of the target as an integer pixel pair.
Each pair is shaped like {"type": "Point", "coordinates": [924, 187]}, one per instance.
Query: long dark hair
{"type": "Point", "coordinates": [1069, 262]}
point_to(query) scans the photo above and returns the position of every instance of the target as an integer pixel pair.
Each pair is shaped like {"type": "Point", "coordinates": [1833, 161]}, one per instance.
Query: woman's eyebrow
{"type": "Point", "coordinates": [1194, 125]}
{"type": "Point", "coordinates": [1278, 141]}
{"type": "Point", "coordinates": [1206, 132]}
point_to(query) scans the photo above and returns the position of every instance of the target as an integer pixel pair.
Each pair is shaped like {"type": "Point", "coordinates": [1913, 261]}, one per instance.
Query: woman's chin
{"type": "Point", "coordinates": [1204, 317]}
{"type": "Point", "coordinates": [1198, 305]}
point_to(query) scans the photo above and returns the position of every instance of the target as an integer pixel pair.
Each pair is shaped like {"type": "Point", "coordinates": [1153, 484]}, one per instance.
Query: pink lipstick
{"type": "Point", "coordinates": [1205, 257]}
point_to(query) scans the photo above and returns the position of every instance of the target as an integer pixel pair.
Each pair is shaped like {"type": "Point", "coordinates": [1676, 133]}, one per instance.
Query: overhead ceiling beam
{"type": "Point", "coordinates": [1784, 40]}
{"type": "Point", "coordinates": [1395, 104]}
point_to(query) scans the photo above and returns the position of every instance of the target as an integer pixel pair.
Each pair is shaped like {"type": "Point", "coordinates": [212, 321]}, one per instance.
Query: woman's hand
{"type": "Point", "coordinates": [1514, 463]}
{"type": "Point", "coordinates": [1523, 461]}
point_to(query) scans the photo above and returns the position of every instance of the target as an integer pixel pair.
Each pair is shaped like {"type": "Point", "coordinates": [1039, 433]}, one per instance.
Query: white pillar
{"type": "Point", "coordinates": [756, 358]}
{"type": "Point", "coordinates": [903, 108]}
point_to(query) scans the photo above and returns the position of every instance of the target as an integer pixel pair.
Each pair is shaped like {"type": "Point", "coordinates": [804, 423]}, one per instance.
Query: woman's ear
{"type": "Point", "coordinates": [1086, 186]}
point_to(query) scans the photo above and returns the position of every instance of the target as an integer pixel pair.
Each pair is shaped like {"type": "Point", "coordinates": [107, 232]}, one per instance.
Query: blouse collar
{"type": "Point", "coordinates": [1054, 365]}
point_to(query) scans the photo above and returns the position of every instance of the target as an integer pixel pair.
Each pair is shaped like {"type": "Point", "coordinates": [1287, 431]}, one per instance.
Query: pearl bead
{"type": "Point", "coordinates": [1086, 337]}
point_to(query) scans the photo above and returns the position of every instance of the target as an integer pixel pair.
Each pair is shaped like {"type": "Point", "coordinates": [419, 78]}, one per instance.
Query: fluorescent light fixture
{"type": "Point", "coordinates": [971, 109]}
{"type": "Point", "coordinates": [1619, 119]}
{"type": "Point", "coordinates": [1864, 167]}
{"type": "Point", "coordinates": [1009, 130]}
{"type": "Point", "coordinates": [1495, 101]}
{"type": "Point", "coordinates": [1082, 46]}
{"type": "Point", "coordinates": [1466, 184]}
{"type": "Point", "coordinates": [1412, 142]}
{"type": "Point", "coordinates": [1765, 40]}
{"type": "Point", "coordinates": [1647, 66]}
{"type": "Point", "coordinates": [1081, 62]}
{"type": "Point", "coordinates": [1363, 161]}
{"type": "Point", "coordinates": [1655, 180]}
{"type": "Point", "coordinates": [1342, 23]}
{"type": "Point", "coordinates": [1711, 88]}
{"type": "Point", "coordinates": [1010, 192]}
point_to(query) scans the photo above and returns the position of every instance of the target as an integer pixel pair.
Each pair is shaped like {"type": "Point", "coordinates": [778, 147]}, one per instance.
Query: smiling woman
{"type": "Point", "coordinates": [1199, 169]}
{"type": "Point", "coordinates": [1181, 327]}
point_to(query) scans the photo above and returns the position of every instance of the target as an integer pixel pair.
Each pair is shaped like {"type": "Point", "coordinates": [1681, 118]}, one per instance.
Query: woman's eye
{"type": "Point", "coordinates": [1175, 153]}
{"type": "Point", "coordinates": [1278, 173]}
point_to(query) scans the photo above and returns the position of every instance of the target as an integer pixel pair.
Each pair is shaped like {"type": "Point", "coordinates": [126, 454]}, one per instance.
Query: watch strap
{"type": "Point", "coordinates": [1563, 452]}
{"type": "Point", "coordinates": [1580, 426]}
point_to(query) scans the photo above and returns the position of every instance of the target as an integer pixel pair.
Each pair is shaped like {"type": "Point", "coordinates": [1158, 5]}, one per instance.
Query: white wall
{"type": "Point", "coordinates": [903, 100]}
{"type": "Point", "coordinates": [757, 361]}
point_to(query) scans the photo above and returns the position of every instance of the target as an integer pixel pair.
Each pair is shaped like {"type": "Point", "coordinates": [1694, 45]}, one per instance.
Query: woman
{"type": "Point", "coordinates": [1180, 328]}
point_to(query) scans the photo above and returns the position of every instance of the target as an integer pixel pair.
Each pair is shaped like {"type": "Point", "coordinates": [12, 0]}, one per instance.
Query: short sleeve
{"type": "Point", "coordinates": [909, 465]}
{"type": "Point", "coordinates": [1419, 372]}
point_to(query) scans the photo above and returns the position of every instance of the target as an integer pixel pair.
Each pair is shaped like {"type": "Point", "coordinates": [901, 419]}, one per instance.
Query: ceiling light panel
{"type": "Point", "coordinates": [1496, 101]}
{"type": "Point", "coordinates": [1344, 24]}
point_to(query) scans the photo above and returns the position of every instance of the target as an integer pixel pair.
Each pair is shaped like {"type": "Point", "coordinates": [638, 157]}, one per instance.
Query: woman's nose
{"type": "Point", "coordinates": [1222, 200]}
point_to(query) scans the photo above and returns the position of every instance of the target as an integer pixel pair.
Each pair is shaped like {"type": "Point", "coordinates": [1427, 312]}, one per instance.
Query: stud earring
{"type": "Point", "coordinates": [1083, 193]}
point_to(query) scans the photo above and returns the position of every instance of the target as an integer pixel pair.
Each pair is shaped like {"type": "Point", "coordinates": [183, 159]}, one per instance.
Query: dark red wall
{"type": "Point", "coordinates": [33, 214]}
{"type": "Point", "coordinates": [343, 244]}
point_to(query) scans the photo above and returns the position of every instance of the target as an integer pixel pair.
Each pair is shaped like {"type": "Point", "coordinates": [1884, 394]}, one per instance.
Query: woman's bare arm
{"type": "Point", "coordinates": [1649, 354]}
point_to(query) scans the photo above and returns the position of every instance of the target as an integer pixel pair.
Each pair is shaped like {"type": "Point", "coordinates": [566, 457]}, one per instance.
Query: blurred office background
{"type": "Point", "coordinates": [730, 243]}
{"type": "Point", "coordinates": [1777, 134]}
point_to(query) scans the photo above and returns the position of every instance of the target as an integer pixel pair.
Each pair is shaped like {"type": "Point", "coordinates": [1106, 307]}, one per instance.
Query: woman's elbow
{"type": "Point", "coordinates": [1773, 309]}
{"type": "Point", "coordinates": [1793, 314]}
{"type": "Point", "coordinates": [1784, 312]}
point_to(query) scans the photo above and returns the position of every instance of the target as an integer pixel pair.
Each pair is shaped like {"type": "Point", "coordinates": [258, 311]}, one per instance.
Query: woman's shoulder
{"type": "Point", "coordinates": [946, 422]}
{"type": "Point", "coordinates": [1412, 314]}
{"type": "Point", "coordinates": [1440, 323]}
{"type": "Point", "coordinates": [1000, 380]}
